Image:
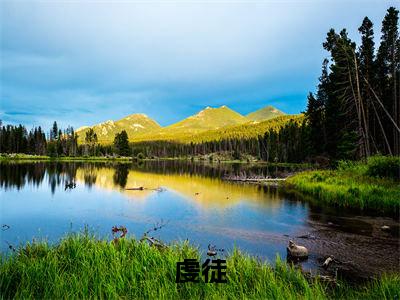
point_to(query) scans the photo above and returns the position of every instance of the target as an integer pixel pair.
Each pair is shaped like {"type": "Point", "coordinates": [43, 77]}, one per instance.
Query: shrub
{"type": "Point", "coordinates": [384, 166]}
{"type": "Point", "coordinates": [140, 156]}
{"type": "Point", "coordinates": [345, 165]}
{"type": "Point", "coordinates": [317, 177]}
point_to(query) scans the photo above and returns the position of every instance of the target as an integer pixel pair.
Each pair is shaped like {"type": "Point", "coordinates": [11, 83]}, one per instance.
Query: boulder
{"type": "Point", "coordinates": [296, 251]}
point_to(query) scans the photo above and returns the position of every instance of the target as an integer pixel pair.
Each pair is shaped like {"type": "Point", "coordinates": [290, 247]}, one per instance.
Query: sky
{"type": "Point", "coordinates": [85, 62]}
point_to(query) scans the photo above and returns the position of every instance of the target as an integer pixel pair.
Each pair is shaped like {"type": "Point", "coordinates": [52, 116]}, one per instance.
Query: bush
{"type": "Point", "coordinates": [140, 156]}
{"type": "Point", "coordinates": [317, 177]}
{"type": "Point", "coordinates": [384, 167]}
{"type": "Point", "coordinates": [343, 165]}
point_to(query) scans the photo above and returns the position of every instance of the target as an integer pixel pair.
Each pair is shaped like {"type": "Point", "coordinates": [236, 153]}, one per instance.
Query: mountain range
{"type": "Point", "coordinates": [140, 127]}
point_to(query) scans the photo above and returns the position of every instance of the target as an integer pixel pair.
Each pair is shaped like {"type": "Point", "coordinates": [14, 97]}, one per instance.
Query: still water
{"type": "Point", "coordinates": [48, 200]}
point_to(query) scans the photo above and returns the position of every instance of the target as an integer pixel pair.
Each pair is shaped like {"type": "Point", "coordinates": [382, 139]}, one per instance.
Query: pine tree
{"type": "Point", "coordinates": [387, 63]}
{"type": "Point", "coordinates": [345, 113]}
{"type": "Point", "coordinates": [316, 113]}
{"type": "Point", "coordinates": [121, 144]}
{"type": "Point", "coordinates": [54, 131]}
{"type": "Point", "coordinates": [91, 141]}
{"type": "Point", "coordinates": [367, 72]}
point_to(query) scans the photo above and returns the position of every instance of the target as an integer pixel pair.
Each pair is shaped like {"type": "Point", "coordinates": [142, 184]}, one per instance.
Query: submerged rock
{"type": "Point", "coordinates": [296, 251]}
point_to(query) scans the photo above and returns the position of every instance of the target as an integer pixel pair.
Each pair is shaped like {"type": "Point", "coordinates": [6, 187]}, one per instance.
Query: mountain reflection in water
{"type": "Point", "coordinates": [46, 200]}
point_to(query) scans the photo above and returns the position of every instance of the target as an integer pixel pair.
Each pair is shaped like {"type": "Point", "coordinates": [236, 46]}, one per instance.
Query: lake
{"type": "Point", "coordinates": [47, 200]}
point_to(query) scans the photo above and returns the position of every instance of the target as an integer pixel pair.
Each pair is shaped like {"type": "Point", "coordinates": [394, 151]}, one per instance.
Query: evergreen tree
{"type": "Point", "coordinates": [121, 144]}
{"type": "Point", "coordinates": [54, 131]}
{"type": "Point", "coordinates": [91, 141]}
{"type": "Point", "coordinates": [367, 69]}
{"type": "Point", "coordinates": [316, 113]}
{"type": "Point", "coordinates": [387, 75]}
{"type": "Point", "coordinates": [345, 115]}
{"type": "Point", "coordinates": [367, 72]}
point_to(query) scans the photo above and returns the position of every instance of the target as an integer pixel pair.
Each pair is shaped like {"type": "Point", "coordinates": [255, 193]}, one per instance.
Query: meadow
{"type": "Point", "coordinates": [373, 185]}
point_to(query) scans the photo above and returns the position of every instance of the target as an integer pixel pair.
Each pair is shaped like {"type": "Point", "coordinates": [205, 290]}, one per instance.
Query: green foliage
{"type": "Point", "coordinates": [140, 156]}
{"type": "Point", "coordinates": [52, 149]}
{"type": "Point", "coordinates": [242, 131]}
{"type": "Point", "coordinates": [16, 139]}
{"type": "Point", "coordinates": [352, 186]}
{"type": "Point", "coordinates": [384, 167]}
{"type": "Point", "coordinates": [83, 267]}
{"type": "Point", "coordinates": [121, 144]}
{"type": "Point", "coordinates": [387, 78]}
{"type": "Point", "coordinates": [28, 157]}
{"type": "Point", "coordinates": [90, 142]}
{"type": "Point", "coordinates": [348, 118]}
{"type": "Point", "coordinates": [245, 139]}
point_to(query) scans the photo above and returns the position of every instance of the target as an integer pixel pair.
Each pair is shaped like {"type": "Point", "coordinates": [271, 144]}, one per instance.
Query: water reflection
{"type": "Point", "coordinates": [17, 175]}
{"type": "Point", "coordinates": [198, 203]}
{"type": "Point", "coordinates": [50, 199]}
{"type": "Point", "coordinates": [121, 175]}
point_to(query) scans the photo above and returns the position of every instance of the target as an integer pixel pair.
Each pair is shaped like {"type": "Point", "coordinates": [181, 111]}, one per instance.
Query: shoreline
{"type": "Point", "coordinates": [28, 157]}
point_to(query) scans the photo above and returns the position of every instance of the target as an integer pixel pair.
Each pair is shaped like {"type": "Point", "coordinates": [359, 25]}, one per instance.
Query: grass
{"type": "Point", "coordinates": [204, 158]}
{"type": "Point", "coordinates": [81, 266]}
{"type": "Point", "coordinates": [357, 185]}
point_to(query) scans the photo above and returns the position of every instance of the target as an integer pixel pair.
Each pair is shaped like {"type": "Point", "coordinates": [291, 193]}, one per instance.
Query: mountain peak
{"type": "Point", "coordinates": [210, 118]}
{"type": "Point", "coordinates": [133, 124]}
{"type": "Point", "coordinates": [265, 113]}
{"type": "Point", "coordinates": [135, 116]}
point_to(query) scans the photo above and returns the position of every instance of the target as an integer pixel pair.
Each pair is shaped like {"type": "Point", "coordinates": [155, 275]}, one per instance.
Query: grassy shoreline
{"type": "Point", "coordinates": [81, 266]}
{"type": "Point", "coordinates": [28, 157]}
{"type": "Point", "coordinates": [353, 185]}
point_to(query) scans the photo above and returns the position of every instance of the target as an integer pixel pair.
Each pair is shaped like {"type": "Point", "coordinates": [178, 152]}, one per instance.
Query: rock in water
{"type": "Point", "coordinates": [296, 251]}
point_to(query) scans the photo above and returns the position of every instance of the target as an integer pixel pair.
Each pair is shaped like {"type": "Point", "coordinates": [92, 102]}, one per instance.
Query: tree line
{"type": "Point", "coordinates": [356, 110]}
{"type": "Point", "coordinates": [58, 142]}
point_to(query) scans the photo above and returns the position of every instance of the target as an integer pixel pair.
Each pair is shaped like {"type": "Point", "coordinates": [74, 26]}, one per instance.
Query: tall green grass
{"type": "Point", "coordinates": [373, 185]}
{"type": "Point", "coordinates": [81, 266]}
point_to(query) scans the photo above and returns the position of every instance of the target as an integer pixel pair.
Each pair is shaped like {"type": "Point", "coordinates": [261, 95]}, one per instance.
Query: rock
{"type": "Point", "coordinates": [296, 251]}
{"type": "Point", "coordinates": [385, 227]}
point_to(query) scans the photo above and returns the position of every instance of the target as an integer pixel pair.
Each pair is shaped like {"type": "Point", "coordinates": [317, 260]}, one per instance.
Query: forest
{"type": "Point", "coordinates": [354, 114]}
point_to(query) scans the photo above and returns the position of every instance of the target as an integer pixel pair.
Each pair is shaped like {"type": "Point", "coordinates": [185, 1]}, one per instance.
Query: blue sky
{"type": "Point", "coordinates": [84, 62]}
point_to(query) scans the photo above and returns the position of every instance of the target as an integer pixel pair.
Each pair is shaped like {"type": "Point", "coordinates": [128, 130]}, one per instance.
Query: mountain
{"type": "Point", "coordinates": [265, 113]}
{"type": "Point", "coordinates": [250, 129]}
{"type": "Point", "coordinates": [210, 118]}
{"type": "Point", "coordinates": [134, 124]}
{"type": "Point", "coordinates": [207, 119]}
{"type": "Point", "coordinates": [209, 122]}
{"type": "Point", "coordinates": [242, 131]}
